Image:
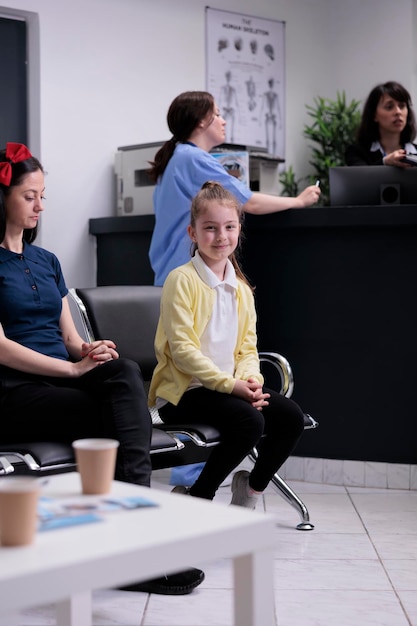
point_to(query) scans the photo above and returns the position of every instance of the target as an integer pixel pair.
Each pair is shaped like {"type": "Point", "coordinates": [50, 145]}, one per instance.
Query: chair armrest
{"type": "Point", "coordinates": [80, 316]}
{"type": "Point", "coordinates": [282, 366]}
{"type": "Point", "coordinates": [309, 422]}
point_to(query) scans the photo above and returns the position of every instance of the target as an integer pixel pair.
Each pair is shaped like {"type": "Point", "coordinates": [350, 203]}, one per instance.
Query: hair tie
{"type": "Point", "coordinates": [15, 152]}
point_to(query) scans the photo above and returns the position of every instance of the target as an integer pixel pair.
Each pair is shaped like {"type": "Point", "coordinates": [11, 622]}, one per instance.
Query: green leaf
{"type": "Point", "coordinates": [333, 128]}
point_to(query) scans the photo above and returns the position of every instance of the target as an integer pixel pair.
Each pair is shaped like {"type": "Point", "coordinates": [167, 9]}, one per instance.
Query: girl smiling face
{"type": "Point", "coordinates": [216, 232]}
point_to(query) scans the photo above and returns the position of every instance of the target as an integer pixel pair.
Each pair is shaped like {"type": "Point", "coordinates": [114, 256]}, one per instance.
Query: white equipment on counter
{"type": "Point", "coordinates": [134, 193]}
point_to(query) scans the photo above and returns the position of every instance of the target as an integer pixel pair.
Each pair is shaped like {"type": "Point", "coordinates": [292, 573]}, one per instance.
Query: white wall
{"type": "Point", "coordinates": [110, 68]}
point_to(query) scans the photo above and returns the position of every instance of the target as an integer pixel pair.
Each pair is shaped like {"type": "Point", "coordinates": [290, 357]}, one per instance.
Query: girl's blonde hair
{"type": "Point", "coordinates": [212, 191]}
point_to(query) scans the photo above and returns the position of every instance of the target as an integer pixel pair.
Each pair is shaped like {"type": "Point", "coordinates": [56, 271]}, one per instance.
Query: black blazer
{"type": "Point", "coordinates": [355, 155]}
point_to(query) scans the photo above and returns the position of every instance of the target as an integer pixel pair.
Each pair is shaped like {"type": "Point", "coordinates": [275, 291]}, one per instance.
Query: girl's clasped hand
{"type": "Point", "coordinates": [252, 391]}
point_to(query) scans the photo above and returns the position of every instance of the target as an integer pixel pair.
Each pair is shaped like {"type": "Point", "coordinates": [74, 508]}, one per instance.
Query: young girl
{"type": "Point", "coordinates": [208, 365]}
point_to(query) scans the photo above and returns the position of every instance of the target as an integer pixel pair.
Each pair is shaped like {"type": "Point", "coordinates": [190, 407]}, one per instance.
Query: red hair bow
{"type": "Point", "coordinates": [15, 152]}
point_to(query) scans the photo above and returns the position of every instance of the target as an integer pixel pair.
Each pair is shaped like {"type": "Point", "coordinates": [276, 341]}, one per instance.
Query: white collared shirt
{"type": "Point", "coordinates": [409, 148]}
{"type": "Point", "coordinates": [218, 340]}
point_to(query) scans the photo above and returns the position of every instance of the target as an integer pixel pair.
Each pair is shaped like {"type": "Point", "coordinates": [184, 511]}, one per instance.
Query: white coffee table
{"type": "Point", "coordinates": [64, 566]}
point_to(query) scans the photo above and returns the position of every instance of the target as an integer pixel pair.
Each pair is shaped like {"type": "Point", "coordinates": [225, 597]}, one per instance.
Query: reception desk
{"type": "Point", "coordinates": [336, 293]}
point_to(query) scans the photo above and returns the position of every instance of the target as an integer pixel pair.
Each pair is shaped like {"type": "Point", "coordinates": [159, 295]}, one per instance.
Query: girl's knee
{"type": "Point", "coordinates": [256, 424]}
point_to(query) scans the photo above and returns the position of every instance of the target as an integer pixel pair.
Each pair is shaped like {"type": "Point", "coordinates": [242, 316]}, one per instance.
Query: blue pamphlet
{"type": "Point", "coordinates": [62, 512]}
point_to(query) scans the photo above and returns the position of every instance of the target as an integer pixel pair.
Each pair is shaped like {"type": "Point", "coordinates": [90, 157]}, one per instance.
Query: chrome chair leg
{"type": "Point", "coordinates": [290, 496]}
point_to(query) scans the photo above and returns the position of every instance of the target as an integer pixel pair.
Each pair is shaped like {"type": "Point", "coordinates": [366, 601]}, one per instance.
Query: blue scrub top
{"type": "Point", "coordinates": [31, 290]}
{"type": "Point", "coordinates": [187, 170]}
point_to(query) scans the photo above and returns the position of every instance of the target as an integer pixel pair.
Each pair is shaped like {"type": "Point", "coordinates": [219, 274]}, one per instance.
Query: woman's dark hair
{"type": "Point", "coordinates": [19, 170]}
{"type": "Point", "coordinates": [209, 192]}
{"type": "Point", "coordinates": [368, 130]}
{"type": "Point", "coordinates": [186, 111]}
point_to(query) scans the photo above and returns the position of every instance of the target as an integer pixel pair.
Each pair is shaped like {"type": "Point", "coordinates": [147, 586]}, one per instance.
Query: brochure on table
{"type": "Point", "coordinates": [62, 512]}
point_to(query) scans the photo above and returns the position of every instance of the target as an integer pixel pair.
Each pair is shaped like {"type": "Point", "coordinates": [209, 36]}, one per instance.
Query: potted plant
{"type": "Point", "coordinates": [290, 184]}
{"type": "Point", "coordinates": [332, 130]}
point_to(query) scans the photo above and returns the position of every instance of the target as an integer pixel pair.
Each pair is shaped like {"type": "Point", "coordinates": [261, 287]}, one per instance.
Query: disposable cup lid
{"type": "Point", "coordinates": [95, 444]}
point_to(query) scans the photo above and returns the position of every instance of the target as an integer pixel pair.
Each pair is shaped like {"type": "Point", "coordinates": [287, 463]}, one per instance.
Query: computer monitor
{"type": "Point", "coordinates": [370, 185]}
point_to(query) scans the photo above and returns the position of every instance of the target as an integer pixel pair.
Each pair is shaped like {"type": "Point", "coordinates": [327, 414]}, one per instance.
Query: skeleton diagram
{"type": "Point", "coordinates": [271, 106]}
{"type": "Point", "coordinates": [228, 104]}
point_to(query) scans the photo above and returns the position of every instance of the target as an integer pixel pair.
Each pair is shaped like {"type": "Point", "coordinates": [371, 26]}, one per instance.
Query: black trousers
{"type": "Point", "coordinates": [277, 429]}
{"type": "Point", "coordinates": [109, 401]}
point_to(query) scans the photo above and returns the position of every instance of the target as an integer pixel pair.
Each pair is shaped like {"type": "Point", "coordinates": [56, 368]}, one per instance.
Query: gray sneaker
{"type": "Point", "coordinates": [240, 487]}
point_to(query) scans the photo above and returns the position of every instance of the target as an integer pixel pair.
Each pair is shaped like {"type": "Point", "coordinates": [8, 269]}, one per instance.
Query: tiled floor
{"type": "Point", "coordinates": [358, 567]}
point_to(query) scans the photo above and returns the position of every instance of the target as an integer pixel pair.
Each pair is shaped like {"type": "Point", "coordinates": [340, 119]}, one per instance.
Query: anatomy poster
{"type": "Point", "coordinates": [245, 72]}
